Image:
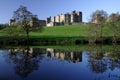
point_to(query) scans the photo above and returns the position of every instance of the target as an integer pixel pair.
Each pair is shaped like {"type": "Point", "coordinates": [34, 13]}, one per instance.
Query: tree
{"type": "Point", "coordinates": [114, 22]}
{"type": "Point", "coordinates": [14, 31]}
{"type": "Point", "coordinates": [98, 16]}
{"type": "Point", "coordinates": [22, 17]}
{"type": "Point", "coordinates": [13, 34]}
{"type": "Point", "coordinates": [114, 17]}
{"type": "Point", "coordinates": [2, 26]}
{"type": "Point", "coordinates": [92, 33]}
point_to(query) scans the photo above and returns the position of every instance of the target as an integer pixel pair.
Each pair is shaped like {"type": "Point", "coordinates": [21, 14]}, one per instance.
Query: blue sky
{"type": "Point", "coordinates": [45, 8]}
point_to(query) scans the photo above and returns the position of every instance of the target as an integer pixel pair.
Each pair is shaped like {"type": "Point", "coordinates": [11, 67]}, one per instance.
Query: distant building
{"type": "Point", "coordinates": [76, 17]}
{"type": "Point", "coordinates": [62, 19]}
{"type": "Point", "coordinates": [49, 22]}
{"type": "Point", "coordinates": [34, 22]}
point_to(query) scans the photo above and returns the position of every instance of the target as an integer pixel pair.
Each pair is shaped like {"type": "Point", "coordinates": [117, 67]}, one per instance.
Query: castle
{"type": "Point", "coordinates": [62, 19]}
{"type": "Point", "coordinates": [32, 22]}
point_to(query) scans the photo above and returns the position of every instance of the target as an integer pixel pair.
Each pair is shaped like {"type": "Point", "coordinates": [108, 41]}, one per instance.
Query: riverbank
{"type": "Point", "coordinates": [62, 35]}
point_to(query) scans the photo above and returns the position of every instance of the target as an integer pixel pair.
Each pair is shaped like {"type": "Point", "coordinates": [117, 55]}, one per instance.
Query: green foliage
{"type": "Point", "coordinates": [93, 32]}
{"type": "Point", "coordinates": [114, 17]}
{"type": "Point", "coordinates": [99, 16]}
{"type": "Point", "coordinates": [14, 31]}
{"type": "Point", "coordinates": [115, 28]}
{"type": "Point", "coordinates": [2, 26]}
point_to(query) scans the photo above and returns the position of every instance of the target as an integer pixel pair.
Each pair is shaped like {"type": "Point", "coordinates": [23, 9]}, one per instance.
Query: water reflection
{"type": "Point", "coordinates": [25, 61]}
{"type": "Point", "coordinates": [28, 62]}
{"type": "Point", "coordinates": [102, 61]}
{"type": "Point", "coordinates": [70, 56]}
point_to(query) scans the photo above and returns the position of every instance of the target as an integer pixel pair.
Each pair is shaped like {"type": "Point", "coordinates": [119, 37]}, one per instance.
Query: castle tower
{"type": "Point", "coordinates": [48, 20]}
{"type": "Point", "coordinates": [12, 22]}
{"type": "Point", "coordinates": [76, 17]}
{"type": "Point", "coordinates": [73, 17]}
{"type": "Point", "coordinates": [67, 18]}
{"type": "Point", "coordinates": [79, 17]}
{"type": "Point", "coordinates": [57, 18]}
{"type": "Point", "coordinates": [62, 18]}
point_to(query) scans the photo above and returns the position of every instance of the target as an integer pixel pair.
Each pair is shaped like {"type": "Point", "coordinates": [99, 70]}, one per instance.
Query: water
{"type": "Point", "coordinates": [54, 64]}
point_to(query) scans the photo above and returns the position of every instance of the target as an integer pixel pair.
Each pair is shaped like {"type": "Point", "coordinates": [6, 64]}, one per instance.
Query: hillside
{"type": "Point", "coordinates": [66, 31]}
{"type": "Point", "coordinates": [62, 31]}
{"type": "Point", "coordinates": [65, 35]}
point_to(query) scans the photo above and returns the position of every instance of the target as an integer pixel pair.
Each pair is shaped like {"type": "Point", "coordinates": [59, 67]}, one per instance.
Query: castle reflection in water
{"type": "Point", "coordinates": [71, 56]}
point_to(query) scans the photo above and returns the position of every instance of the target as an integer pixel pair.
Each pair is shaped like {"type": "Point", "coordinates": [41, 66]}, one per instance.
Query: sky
{"type": "Point", "coordinates": [46, 8]}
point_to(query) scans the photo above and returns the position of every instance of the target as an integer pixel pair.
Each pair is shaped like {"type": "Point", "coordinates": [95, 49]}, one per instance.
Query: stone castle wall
{"type": "Point", "coordinates": [74, 17]}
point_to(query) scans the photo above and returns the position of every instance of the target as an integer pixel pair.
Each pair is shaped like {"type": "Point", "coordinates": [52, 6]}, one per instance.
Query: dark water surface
{"type": "Point", "coordinates": [53, 64]}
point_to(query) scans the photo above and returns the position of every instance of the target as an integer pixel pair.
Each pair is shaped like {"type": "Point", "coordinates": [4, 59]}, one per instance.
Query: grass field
{"type": "Point", "coordinates": [69, 31]}
{"type": "Point", "coordinates": [62, 31]}
{"type": "Point", "coordinates": [65, 31]}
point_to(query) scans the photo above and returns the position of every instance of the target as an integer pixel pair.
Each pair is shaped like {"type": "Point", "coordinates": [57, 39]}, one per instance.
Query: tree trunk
{"type": "Point", "coordinates": [27, 38]}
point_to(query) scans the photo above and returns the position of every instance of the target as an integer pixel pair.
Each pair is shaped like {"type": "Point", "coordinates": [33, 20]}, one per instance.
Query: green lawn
{"type": "Point", "coordinates": [62, 31]}
{"type": "Point", "coordinates": [65, 31]}
{"type": "Point", "coordinates": [69, 31]}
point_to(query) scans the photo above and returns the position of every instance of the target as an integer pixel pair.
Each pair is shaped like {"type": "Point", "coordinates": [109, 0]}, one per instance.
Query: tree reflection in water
{"type": "Point", "coordinates": [100, 61]}
{"type": "Point", "coordinates": [96, 62]}
{"type": "Point", "coordinates": [25, 60]}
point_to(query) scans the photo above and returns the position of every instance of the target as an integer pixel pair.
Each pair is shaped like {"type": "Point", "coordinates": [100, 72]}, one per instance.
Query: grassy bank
{"type": "Point", "coordinates": [70, 34]}
{"type": "Point", "coordinates": [66, 31]}
{"type": "Point", "coordinates": [61, 31]}
{"type": "Point", "coordinates": [69, 31]}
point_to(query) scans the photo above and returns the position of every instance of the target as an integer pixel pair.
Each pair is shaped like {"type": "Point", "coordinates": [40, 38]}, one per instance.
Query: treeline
{"type": "Point", "coordinates": [99, 21]}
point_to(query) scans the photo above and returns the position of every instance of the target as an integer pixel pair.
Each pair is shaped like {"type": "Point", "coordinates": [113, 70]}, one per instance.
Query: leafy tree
{"type": "Point", "coordinates": [113, 23]}
{"type": "Point", "coordinates": [22, 17]}
{"type": "Point", "coordinates": [98, 16]}
{"type": "Point", "coordinates": [2, 26]}
{"type": "Point", "coordinates": [96, 25]}
{"type": "Point", "coordinates": [14, 31]}
{"type": "Point", "coordinates": [12, 34]}
{"type": "Point", "coordinates": [114, 17]}
{"type": "Point", "coordinates": [92, 33]}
